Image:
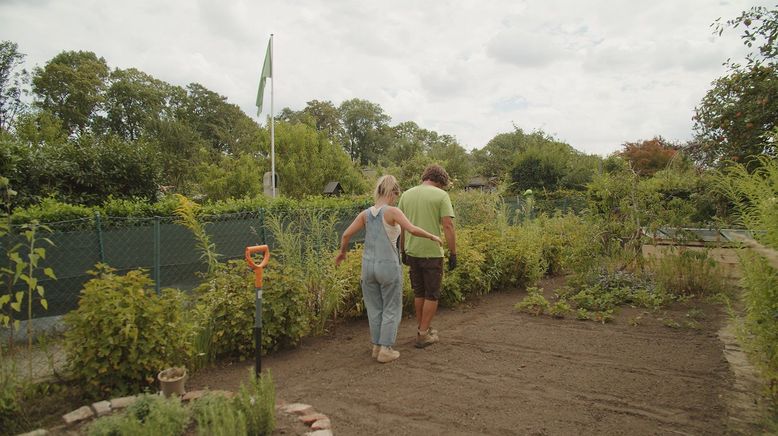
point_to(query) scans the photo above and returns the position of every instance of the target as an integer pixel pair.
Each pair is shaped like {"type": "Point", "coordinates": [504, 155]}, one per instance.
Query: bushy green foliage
{"type": "Point", "coordinates": [687, 272]}
{"type": "Point", "coordinates": [225, 308]}
{"type": "Point", "coordinates": [560, 309]}
{"type": "Point", "coordinates": [760, 286]}
{"type": "Point", "coordinates": [534, 303]}
{"type": "Point", "coordinates": [257, 401]}
{"type": "Point", "coordinates": [755, 198]}
{"type": "Point", "coordinates": [11, 413]}
{"type": "Point", "coordinates": [149, 415]}
{"type": "Point", "coordinates": [216, 415]}
{"type": "Point", "coordinates": [123, 333]}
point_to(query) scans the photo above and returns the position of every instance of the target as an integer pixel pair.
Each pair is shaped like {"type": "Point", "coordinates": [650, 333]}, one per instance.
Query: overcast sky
{"type": "Point", "coordinates": [594, 74]}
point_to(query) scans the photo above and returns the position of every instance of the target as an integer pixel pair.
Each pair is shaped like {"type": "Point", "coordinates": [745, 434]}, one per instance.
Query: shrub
{"type": "Point", "coordinates": [534, 303]}
{"type": "Point", "coordinates": [149, 415]}
{"type": "Point", "coordinates": [688, 272]}
{"type": "Point", "coordinates": [760, 284]}
{"type": "Point", "coordinates": [467, 279]}
{"type": "Point", "coordinates": [559, 309]}
{"type": "Point", "coordinates": [225, 307]}
{"type": "Point", "coordinates": [216, 415]}
{"type": "Point", "coordinates": [123, 333]}
{"type": "Point", "coordinates": [257, 401]}
{"type": "Point", "coordinates": [11, 413]}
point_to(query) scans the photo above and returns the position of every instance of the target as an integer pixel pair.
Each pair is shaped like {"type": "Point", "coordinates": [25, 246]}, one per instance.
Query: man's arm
{"type": "Point", "coordinates": [448, 230]}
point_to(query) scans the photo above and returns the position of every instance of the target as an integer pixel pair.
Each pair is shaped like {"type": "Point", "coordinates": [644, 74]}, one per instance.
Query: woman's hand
{"type": "Point", "coordinates": [437, 239]}
{"type": "Point", "coordinates": [341, 257]}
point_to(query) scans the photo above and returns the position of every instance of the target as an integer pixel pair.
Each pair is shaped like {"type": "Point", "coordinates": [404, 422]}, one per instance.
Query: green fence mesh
{"type": "Point", "coordinates": [160, 245]}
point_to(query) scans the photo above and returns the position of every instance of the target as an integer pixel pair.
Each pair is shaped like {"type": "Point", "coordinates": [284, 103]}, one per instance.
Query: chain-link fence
{"type": "Point", "coordinates": [160, 245]}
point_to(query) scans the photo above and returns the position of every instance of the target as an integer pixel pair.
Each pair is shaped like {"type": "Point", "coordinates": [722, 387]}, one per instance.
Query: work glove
{"type": "Point", "coordinates": [404, 258]}
{"type": "Point", "coordinates": [452, 262]}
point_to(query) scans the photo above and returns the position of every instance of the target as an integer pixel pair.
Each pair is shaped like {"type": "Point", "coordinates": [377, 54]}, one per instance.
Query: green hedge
{"type": "Point", "coordinates": [50, 210]}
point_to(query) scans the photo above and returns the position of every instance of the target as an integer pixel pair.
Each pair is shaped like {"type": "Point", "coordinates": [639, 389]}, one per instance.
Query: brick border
{"type": "Point", "coordinates": [320, 424]}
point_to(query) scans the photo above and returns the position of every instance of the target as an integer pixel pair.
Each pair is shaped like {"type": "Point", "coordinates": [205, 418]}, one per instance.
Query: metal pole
{"type": "Point", "coordinates": [272, 123]}
{"type": "Point", "coordinates": [99, 229]}
{"type": "Point", "coordinates": [156, 255]}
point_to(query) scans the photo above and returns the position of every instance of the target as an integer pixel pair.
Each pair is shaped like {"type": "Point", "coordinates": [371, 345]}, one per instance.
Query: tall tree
{"type": "Point", "coordinates": [326, 118]}
{"type": "Point", "coordinates": [133, 101]}
{"type": "Point", "coordinates": [362, 124]}
{"type": "Point", "coordinates": [71, 86]}
{"type": "Point", "coordinates": [227, 128]}
{"type": "Point", "coordinates": [736, 118]}
{"type": "Point", "coordinates": [12, 80]}
{"type": "Point", "coordinates": [649, 156]}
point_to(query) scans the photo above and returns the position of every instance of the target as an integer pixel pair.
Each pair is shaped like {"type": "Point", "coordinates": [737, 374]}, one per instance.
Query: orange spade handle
{"type": "Point", "coordinates": [258, 269]}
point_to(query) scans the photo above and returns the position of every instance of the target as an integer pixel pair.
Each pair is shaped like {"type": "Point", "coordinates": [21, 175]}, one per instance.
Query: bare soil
{"type": "Point", "coordinates": [499, 372]}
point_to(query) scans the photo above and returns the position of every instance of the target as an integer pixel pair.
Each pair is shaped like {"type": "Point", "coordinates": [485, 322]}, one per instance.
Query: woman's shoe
{"type": "Point", "coordinates": [387, 354]}
{"type": "Point", "coordinates": [376, 349]}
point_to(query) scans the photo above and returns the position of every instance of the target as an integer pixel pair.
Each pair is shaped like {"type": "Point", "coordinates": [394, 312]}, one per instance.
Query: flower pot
{"type": "Point", "coordinates": [171, 381]}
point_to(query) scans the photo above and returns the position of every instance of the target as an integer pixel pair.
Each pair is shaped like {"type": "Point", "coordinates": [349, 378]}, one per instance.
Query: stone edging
{"type": "Point", "coordinates": [319, 423]}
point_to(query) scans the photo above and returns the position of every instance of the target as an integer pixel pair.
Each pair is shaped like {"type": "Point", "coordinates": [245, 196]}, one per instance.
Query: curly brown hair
{"type": "Point", "coordinates": [436, 174]}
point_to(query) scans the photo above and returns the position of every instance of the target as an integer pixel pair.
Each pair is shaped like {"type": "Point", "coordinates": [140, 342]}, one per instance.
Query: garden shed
{"type": "Point", "coordinates": [333, 188]}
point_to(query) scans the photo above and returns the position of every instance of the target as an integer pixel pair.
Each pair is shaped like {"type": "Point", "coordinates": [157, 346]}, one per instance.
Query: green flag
{"type": "Point", "coordinates": [267, 71]}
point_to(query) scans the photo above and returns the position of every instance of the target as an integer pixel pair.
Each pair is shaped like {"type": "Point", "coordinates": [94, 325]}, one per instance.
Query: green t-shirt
{"type": "Point", "coordinates": [425, 205]}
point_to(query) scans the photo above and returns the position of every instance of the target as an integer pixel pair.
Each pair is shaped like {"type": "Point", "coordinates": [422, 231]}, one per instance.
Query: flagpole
{"type": "Point", "coordinates": [272, 124]}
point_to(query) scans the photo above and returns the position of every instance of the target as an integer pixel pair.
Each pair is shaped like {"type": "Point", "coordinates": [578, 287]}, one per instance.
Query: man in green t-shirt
{"type": "Point", "coordinates": [428, 206]}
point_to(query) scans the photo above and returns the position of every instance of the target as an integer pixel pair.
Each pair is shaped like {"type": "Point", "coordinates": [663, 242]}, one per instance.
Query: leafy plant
{"type": "Point", "coordinates": [149, 415]}
{"type": "Point", "coordinates": [216, 415]}
{"type": "Point", "coordinates": [560, 309]}
{"type": "Point", "coordinates": [140, 333]}
{"type": "Point", "coordinates": [256, 400]}
{"type": "Point", "coordinates": [305, 241]}
{"type": "Point", "coordinates": [534, 303]}
{"type": "Point", "coordinates": [687, 272]}
{"type": "Point", "coordinates": [225, 308]}
{"type": "Point", "coordinates": [12, 418]}
{"type": "Point", "coordinates": [187, 211]}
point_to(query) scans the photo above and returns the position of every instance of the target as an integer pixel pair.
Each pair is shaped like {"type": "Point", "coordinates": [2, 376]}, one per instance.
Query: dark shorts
{"type": "Point", "coordinates": [426, 276]}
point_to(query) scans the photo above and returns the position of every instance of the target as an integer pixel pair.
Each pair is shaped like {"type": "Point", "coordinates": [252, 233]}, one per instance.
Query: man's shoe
{"type": "Point", "coordinates": [426, 339]}
{"type": "Point", "coordinates": [376, 349]}
{"type": "Point", "coordinates": [387, 354]}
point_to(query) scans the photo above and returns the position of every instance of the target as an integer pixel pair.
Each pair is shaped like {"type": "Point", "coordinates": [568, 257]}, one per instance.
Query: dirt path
{"type": "Point", "coordinates": [500, 372]}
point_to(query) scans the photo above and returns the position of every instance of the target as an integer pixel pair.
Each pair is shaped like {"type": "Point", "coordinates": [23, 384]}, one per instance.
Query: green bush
{"type": "Point", "coordinates": [760, 286]}
{"type": "Point", "coordinates": [467, 279]}
{"type": "Point", "coordinates": [687, 272]}
{"type": "Point", "coordinates": [225, 307]}
{"type": "Point", "coordinates": [534, 303]}
{"type": "Point", "coordinates": [11, 413]}
{"type": "Point", "coordinates": [149, 415]}
{"type": "Point", "coordinates": [123, 333]}
{"type": "Point", "coordinates": [215, 415]}
{"type": "Point", "coordinates": [560, 309]}
{"type": "Point", "coordinates": [257, 401]}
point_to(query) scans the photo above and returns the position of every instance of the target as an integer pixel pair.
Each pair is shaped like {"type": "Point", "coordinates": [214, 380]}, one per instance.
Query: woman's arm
{"type": "Point", "coordinates": [357, 225]}
{"type": "Point", "coordinates": [399, 217]}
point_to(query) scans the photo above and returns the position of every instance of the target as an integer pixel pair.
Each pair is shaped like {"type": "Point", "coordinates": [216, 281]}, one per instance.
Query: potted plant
{"type": "Point", "coordinates": [171, 381]}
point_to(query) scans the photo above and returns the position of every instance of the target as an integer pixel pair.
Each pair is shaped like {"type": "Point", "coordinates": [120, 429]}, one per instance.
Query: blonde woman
{"type": "Point", "coordinates": [382, 283]}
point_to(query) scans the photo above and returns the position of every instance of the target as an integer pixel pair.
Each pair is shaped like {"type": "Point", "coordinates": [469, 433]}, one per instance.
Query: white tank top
{"type": "Point", "coordinates": [393, 232]}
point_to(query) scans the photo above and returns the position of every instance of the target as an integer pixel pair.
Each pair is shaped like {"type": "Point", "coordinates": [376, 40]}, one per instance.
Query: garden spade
{"type": "Point", "coordinates": [258, 269]}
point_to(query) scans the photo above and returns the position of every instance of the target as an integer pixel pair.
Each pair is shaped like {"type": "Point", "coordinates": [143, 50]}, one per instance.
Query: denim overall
{"type": "Point", "coordinates": [382, 283]}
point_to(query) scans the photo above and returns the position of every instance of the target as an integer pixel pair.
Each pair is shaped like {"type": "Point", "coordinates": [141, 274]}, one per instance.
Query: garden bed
{"type": "Point", "coordinates": [498, 371]}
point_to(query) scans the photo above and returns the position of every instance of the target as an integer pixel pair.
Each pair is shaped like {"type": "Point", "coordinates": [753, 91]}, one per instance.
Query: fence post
{"type": "Point", "coordinates": [261, 232]}
{"type": "Point", "coordinates": [156, 255]}
{"type": "Point", "coordinates": [99, 229]}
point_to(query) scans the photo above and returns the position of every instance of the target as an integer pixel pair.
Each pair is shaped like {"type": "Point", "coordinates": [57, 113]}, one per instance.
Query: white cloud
{"type": "Point", "coordinates": [595, 73]}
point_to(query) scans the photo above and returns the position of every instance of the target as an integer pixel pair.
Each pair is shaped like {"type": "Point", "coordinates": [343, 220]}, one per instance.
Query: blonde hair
{"type": "Point", "coordinates": [386, 185]}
